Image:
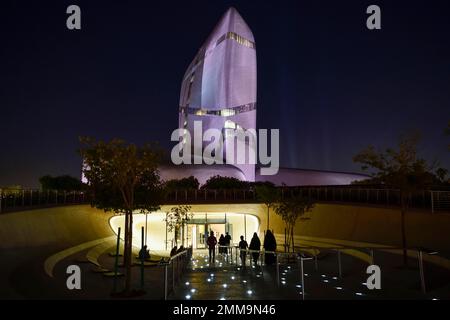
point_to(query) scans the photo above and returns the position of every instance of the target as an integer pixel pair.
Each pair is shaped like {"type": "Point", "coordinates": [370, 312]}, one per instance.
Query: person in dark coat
{"type": "Point", "coordinates": [270, 244]}
{"type": "Point", "coordinates": [243, 245]}
{"type": "Point", "coordinates": [227, 241]}
{"type": "Point", "coordinates": [255, 244]}
{"type": "Point", "coordinates": [212, 241]}
{"type": "Point", "coordinates": [173, 251]}
{"type": "Point", "coordinates": [221, 243]}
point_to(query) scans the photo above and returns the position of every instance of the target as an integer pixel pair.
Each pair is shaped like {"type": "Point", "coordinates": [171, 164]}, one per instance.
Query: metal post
{"type": "Point", "coordinates": [422, 275]}
{"type": "Point", "coordinates": [165, 282]}
{"type": "Point", "coordinates": [339, 263]}
{"type": "Point", "coordinates": [316, 264]}
{"type": "Point", "coordinates": [302, 277]}
{"type": "Point", "coordinates": [142, 258]}
{"type": "Point", "coordinates": [432, 202]}
{"type": "Point", "coordinates": [372, 256]}
{"type": "Point", "coordinates": [56, 196]}
{"type": "Point", "coordinates": [23, 198]}
{"type": "Point", "coordinates": [173, 275]}
{"type": "Point", "coordinates": [278, 270]}
{"type": "Point", "coordinates": [116, 261]}
{"type": "Point", "coordinates": [31, 197]}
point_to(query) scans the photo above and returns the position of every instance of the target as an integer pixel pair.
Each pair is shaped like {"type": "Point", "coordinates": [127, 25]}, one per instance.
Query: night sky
{"type": "Point", "coordinates": [331, 85]}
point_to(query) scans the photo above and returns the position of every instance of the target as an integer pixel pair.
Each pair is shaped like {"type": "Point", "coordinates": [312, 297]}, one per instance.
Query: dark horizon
{"type": "Point", "coordinates": [328, 83]}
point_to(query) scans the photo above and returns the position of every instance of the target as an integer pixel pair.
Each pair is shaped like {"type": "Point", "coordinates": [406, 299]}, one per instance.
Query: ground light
{"type": "Point", "coordinates": [187, 283]}
{"type": "Point", "coordinates": [249, 292]}
{"type": "Point", "coordinates": [225, 285]}
{"type": "Point", "coordinates": [188, 297]}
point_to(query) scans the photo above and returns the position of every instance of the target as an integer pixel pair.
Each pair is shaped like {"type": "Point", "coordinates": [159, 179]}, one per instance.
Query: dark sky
{"type": "Point", "coordinates": [330, 85]}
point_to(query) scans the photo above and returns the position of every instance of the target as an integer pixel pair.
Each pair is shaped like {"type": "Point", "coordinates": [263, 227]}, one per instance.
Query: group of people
{"type": "Point", "coordinates": [255, 245]}
{"type": "Point", "coordinates": [224, 242]}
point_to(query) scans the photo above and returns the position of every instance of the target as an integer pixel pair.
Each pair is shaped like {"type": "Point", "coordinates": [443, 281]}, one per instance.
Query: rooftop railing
{"type": "Point", "coordinates": [432, 200]}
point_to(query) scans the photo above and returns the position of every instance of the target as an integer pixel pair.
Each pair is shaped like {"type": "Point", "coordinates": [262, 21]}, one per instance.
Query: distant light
{"type": "Point", "coordinates": [188, 297]}
{"type": "Point", "coordinates": [212, 274]}
{"type": "Point", "coordinates": [306, 274]}
{"type": "Point", "coordinates": [298, 285]}
{"type": "Point", "coordinates": [193, 290]}
{"type": "Point", "coordinates": [323, 276]}
{"type": "Point", "coordinates": [222, 298]}
{"type": "Point", "coordinates": [283, 279]}
{"type": "Point", "coordinates": [435, 299]}
{"type": "Point", "coordinates": [358, 293]}
{"type": "Point", "coordinates": [232, 278]}
{"type": "Point", "coordinates": [249, 291]}
{"type": "Point", "coordinates": [338, 288]}
{"type": "Point", "coordinates": [225, 285]}
{"type": "Point", "coordinates": [258, 276]}
{"type": "Point", "coordinates": [289, 267]}
{"type": "Point", "coordinates": [326, 281]}
{"type": "Point", "coordinates": [187, 283]}
{"type": "Point", "coordinates": [244, 281]}
{"type": "Point", "coordinates": [283, 282]}
{"type": "Point", "coordinates": [335, 278]}
{"type": "Point", "coordinates": [364, 284]}
{"type": "Point", "coordinates": [209, 280]}
{"type": "Point", "coordinates": [239, 269]}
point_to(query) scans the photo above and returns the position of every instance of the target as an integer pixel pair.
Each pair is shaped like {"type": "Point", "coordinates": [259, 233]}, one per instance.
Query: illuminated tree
{"type": "Point", "coordinates": [176, 220]}
{"type": "Point", "coordinates": [123, 178]}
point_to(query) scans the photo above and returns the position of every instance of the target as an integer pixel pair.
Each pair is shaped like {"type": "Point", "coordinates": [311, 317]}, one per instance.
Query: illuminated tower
{"type": "Point", "coordinates": [219, 86]}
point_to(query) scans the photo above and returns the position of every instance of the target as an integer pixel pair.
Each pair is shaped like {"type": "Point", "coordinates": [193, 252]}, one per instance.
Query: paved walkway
{"type": "Point", "coordinates": [224, 280]}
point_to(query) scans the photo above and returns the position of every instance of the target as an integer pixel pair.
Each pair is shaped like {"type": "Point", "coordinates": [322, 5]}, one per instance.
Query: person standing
{"type": "Point", "coordinates": [212, 241]}
{"type": "Point", "coordinates": [255, 244]}
{"type": "Point", "coordinates": [227, 241]}
{"type": "Point", "coordinates": [221, 244]}
{"type": "Point", "coordinates": [243, 245]}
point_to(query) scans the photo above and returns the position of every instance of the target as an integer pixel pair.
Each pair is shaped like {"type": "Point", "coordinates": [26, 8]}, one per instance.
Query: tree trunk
{"type": "Point", "coordinates": [404, 245]}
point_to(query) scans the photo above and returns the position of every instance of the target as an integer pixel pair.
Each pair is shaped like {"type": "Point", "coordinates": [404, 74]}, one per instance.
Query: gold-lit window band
{"type": "Point", "coordinates": [226, 112]}
{"type": "Point", "coordinates": [201, 55]}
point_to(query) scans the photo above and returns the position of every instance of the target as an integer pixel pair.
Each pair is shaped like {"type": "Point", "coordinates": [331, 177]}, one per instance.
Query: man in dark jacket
{"type": "Point", "coordinates": [227, 241]}
{"type": "Point", "coordinates": [212, 241]}
{"type": "Point", "coordinates": [243, 245]}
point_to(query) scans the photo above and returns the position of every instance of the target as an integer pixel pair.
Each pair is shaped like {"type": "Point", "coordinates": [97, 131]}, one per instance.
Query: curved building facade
{"type": "Point", "coordinates": [219, 86]}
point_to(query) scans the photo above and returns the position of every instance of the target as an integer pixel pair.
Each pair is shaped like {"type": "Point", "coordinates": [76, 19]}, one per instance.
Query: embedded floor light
{"type": "Point", "coordinates": [188, 297]}
{"type": "Point", "coordinates": [222, 298]}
